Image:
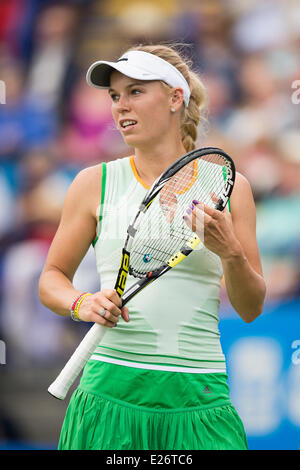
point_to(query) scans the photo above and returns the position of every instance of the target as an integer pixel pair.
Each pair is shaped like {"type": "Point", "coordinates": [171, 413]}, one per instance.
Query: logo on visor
{"type": "Point", "coordinates": [120, 60]}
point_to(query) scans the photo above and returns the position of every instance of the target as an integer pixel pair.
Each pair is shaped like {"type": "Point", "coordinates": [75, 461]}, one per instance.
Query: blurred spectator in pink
{"type": "Point", "coordinates": [89, 134]}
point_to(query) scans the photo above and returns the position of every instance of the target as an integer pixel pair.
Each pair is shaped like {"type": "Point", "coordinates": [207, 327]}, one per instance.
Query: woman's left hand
{"type": "Point", "coordinates": [213, 227]}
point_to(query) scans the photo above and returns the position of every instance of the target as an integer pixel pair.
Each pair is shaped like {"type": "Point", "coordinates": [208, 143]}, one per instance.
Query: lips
{"type": "Point", "coordinates": [127, 123]}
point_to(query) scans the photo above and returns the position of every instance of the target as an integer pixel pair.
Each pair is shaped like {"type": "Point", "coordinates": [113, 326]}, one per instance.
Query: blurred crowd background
{"type": "Point", "coordinates": [52, 125]}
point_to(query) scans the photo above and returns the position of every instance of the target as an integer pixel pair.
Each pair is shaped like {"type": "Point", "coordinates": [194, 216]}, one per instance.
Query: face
{"type": "Point", "coordinates": [141, 109]}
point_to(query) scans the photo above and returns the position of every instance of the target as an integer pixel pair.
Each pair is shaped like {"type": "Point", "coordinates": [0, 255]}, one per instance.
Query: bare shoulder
{"type": "Point", "coordinates": [242, 185]}
{"type": "Point", "coordinates": [88, 177]}
{"type": "Point", "coordinates": [243, 213]}
{"type": "Point", "coordinates": [85, 189]}
{"type": "Point", "coordinates": [77, 227]}
{"type": "Point", "coordinates": [242, 197]}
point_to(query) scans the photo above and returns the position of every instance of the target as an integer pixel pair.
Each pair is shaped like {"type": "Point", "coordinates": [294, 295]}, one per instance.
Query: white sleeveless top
{"type": "Point", "coordinates": [173, 321]}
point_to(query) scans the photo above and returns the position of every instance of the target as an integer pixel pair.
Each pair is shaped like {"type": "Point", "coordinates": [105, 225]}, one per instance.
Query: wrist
{"type": "Point", "coordinates": [234, 253]}
{"type": "Point", "coordinates": [74, 309]}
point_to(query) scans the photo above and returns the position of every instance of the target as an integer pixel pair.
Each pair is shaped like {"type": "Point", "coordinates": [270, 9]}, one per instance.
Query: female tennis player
{"type": "Point", "coordinates": [158, 380]}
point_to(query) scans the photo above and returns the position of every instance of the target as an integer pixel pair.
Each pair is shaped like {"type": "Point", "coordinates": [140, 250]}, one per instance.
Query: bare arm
{"type": "Point", "coordinates": [233, 238]}
{"type": "Point", "coordinates": [73, 238]}
{"type": "Point", "coordinates": [243, 274]}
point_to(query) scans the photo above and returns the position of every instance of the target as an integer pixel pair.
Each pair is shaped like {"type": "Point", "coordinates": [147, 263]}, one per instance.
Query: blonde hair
{"type": "Point", "coordinates": [195, 113]}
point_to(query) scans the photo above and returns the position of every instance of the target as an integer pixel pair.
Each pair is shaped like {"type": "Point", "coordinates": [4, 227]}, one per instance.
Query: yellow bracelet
{"type": "Point", "coordinates": [75, 307]}
{"type": "Point", "coordinates": [78, 303]}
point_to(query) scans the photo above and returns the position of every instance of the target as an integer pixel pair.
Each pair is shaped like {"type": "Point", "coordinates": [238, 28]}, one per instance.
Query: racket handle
{"type": "Point", "coordinates": [60, 387]}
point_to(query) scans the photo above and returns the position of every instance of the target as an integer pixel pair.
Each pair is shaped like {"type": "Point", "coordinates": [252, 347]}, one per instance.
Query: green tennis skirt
{"type": "Point", "coordinates": [124, 408]}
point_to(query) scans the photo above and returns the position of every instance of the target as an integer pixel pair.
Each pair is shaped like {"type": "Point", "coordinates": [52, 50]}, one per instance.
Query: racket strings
{"type": "Point", "coordinates": [162, 231]}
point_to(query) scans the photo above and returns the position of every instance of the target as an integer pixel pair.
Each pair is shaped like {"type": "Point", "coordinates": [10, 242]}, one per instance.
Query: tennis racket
{"type": "Point", "coordinates": [158, 238]}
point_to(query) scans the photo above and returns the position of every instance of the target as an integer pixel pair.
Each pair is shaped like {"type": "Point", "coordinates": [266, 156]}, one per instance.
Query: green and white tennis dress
{"type": "Point", "coordinates": [158, 382]}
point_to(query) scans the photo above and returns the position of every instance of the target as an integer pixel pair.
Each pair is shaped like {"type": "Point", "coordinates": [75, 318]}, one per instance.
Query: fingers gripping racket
{"type": "Point", "coordinates": [158, 238]}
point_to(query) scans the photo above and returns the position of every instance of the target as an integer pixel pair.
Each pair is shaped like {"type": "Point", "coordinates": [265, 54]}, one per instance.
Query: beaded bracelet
{"type": "Point", "coordinates": [75, 306]}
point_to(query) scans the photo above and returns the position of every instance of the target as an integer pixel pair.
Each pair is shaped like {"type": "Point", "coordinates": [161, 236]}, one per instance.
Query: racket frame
{"type": "Point", "coordinates": [191, 244]}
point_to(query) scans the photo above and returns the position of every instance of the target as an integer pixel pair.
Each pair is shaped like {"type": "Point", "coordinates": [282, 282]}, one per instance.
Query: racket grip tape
{"type": "Point", "coordinates": [60, 387]}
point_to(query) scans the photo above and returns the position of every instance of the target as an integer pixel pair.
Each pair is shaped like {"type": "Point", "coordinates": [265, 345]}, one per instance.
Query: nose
{"type": "Point", "coordinates": [123, 103]}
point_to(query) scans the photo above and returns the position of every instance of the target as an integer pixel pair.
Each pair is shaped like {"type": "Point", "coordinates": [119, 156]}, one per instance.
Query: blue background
{"type": "Point", "coordinates": [273, 394]}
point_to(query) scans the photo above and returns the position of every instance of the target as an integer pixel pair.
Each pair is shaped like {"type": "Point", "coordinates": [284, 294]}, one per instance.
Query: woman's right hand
{"type": "Point", "coordinates": [107, 299]}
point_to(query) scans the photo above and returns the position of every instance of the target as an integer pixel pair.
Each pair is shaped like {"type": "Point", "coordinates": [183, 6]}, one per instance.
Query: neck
{"type": "Point", "coordinates": [152, 162]}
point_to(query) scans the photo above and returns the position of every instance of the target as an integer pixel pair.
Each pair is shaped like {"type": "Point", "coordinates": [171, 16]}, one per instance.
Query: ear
{"type": "Point", "coordinates": [176, 98]}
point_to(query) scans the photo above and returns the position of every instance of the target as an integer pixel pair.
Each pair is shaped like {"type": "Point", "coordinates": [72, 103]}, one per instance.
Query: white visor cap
{"type": "Point", "coordinates": [141, 66]}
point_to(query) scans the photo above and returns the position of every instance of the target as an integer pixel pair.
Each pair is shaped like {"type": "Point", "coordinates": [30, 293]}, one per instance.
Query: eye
{"type": "Point", "coordinates": [135, 91]}
{"type": "Point", "coordinates": [114, 97]}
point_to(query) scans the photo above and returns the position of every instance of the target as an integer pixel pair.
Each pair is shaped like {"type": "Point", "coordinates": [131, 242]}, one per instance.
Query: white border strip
{"type": "Point", "coordinates": [190, 370]}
